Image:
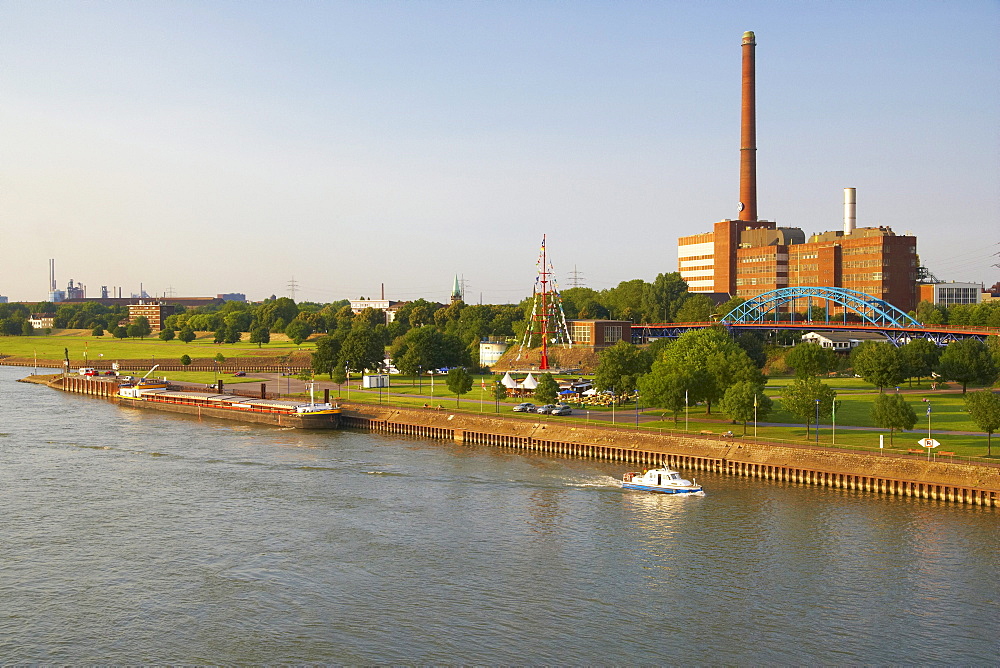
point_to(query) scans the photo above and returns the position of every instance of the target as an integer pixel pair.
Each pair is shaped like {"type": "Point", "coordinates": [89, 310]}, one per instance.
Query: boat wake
{"type": "Point", "coordinates": [597, 481]}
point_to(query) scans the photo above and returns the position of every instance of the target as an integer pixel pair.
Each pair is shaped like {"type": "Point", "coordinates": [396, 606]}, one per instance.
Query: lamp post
{"type": "Point", "coordinates": [833, 426]}
{"type": "Point", "coordinates": [636, 410]}
{"type": "Point", "coordinates": [817, 422]}
{"type": "Point", "coordinates": [347, 372]}
{"type": "Point", "coordinates": [612, 405]}
{"type": "Point", "coordinates": [928, 428]}
{"type": "Point", "coordinates": [755, 415]}
{"type": "Point", "coordinates": [685, 411]}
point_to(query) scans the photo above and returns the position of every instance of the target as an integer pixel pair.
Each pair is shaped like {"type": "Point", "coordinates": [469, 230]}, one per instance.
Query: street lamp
{"type": "Point", "coordinates": [685, 411]}
{"type": "Point", "coordinates": [817, 422]}
{"type": "Point", "coordinates": [833, 432]}
{"type": "Point", "coordinates": [347, 372]}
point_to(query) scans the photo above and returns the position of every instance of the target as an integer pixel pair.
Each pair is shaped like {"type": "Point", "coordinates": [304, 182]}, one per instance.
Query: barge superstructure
{"type": "Point", "coordinates": [283, 412]}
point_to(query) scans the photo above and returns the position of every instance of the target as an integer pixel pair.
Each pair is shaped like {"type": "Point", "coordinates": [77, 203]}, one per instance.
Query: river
{"type": "Point", "coordinates": [142, 537]}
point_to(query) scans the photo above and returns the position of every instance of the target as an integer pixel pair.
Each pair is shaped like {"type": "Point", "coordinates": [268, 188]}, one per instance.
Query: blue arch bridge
{"type": "Point", "coordinates": [859, 312]}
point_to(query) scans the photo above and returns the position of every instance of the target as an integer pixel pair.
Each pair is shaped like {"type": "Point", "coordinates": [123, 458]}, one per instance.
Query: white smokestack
{"type": "Point", "coordinates": [850, 210]}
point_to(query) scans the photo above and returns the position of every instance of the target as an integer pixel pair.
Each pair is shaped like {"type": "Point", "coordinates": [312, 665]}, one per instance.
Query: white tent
{"type": "Point", "coordinates": [529, 383]}
{"type": "Point", "coordinates": [508, 382]}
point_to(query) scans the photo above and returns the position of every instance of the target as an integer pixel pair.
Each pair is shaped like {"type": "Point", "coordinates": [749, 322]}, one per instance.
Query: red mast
{"type": "Point", "coordinates": [544, 315]}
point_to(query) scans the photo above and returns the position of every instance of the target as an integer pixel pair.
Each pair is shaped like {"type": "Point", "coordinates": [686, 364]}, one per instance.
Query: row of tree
{"type": "Point", "coordinates": [710, 366]}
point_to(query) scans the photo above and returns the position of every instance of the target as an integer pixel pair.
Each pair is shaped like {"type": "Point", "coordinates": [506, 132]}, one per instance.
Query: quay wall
{"type": "Point", "coordinates": [960, 482]}
{"type": "Point", "coordinates": [108, 389]}
{"type": "Point", "coordinates": [943, 481]}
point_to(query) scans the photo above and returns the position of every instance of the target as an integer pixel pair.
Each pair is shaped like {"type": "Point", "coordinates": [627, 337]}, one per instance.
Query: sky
{"type": "Point", "coordinates": [196, 148]}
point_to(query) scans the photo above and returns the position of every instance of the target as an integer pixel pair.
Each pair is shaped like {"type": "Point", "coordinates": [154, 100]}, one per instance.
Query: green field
{"type": "Point", "coordinates": [83, 347]}
{"type": "Point", "coordinates": [948, 414]}
{"type": "Point", "coordinates": [855, 395]}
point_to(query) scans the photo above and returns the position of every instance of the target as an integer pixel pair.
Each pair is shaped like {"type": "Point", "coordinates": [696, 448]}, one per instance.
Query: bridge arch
{"type": "Point", "coordinates": [872, 311]}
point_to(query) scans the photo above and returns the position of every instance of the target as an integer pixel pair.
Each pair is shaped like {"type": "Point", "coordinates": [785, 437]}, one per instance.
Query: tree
{"type": "Point", "coordinates": [800, 398]}
{"type": "Point", "coordinates": [338, 376]}
{"type": "Point", "coordinates": [459, 382]}
{"type": "Point", "coordinates": [187, 334]}
{"type": "Point", "coordinates": [298, 330]}
{"type": "Point", "coordinates": [27, 329]}
{"type": "Point", "coordinates": [185, 359]}
{"type": "Point", "coordinates": [745, 401]}
{"type": "Point", "coordinates": [714, 357]}
{"type": "Point", "coordinates": [984, 407]}
{"type": "Point", "coordinates": [166, 334]}
{"type": "Point", "coordinates": [920, 357]}
{"type": "Point", "coordinates": [670, 389]}
{"type": "Point", "coordinates": [968, 361]}
{"type": "Point", "coordinates": [142, 326]}
{"type": "Point", "coordinates": [619, 367]}
{"type": "Point", "coordinates": [426, 347]}
{"type": "Point", "coordinates": [220, 358]}
{"type": "Point", "coordinates": [362, 349]}
{"type": "Point", "coordinates": [890, 411]}
{"type": "Point", "coordinates": [879, 363]}
{"type": "Point", "coordinates": [260, 335]}
{"type": "Point", "coordinates": [547, 390]}
{"type": "Point", "coordinates": [233, 335]}
{"type": "Point", "coordinates": [326, 357]}
{"type": "Point", "coordinates": [120, 332]}
{"type": "Point", "coordinates": [696, 308]}
{"type": "Point", "coordinates": [499, 393]}
{"type": "Point", "coordinates": [133, 330]}
{"type": "Point", "coordinates": [220, 335]}
{"type": "Point", "coordinates": [811, 359]}
{"type": "Point", "coordinates": [97, 331]}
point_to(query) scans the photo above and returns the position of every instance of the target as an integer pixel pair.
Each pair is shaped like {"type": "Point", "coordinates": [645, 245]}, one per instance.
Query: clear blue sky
{"type": "Point", "coordinates": [210, 147]}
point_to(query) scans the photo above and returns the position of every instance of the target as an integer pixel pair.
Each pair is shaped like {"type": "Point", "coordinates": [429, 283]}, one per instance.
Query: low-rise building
{"type": "Point", "coordinates": [156, 312]}
{"type": "Point", "coordinates": [599, 334]}
{"type": "Point", "coordinates": [385, 305]}
{"type": "Point", "coordinates": [842, 341]}
{"type": "Point", "coordinates": [42, 320]}
{"type": "Point", "coordinates": [950, 293]}
{"type": "Point", "coordinates": [490, 352]}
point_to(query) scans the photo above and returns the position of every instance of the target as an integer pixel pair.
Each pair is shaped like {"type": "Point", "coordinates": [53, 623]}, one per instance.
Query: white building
{"type": "Point", "coordinates": [384, 305]}
{"type": "Point", "coordinates": [841, 340]}
{"type": "Point", "coordinates": [490, 352]}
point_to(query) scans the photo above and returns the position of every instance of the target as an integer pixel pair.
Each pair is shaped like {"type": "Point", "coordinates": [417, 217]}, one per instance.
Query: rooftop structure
{"type": "Point", "coordinates": [749, 256]}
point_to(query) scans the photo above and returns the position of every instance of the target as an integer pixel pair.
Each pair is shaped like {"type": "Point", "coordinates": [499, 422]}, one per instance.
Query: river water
{"type": "Point", "coordinates": [142, 537]}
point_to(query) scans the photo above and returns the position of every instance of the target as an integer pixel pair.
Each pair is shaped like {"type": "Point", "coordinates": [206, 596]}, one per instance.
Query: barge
{"type": "Point", "coordinates": [157, 395]}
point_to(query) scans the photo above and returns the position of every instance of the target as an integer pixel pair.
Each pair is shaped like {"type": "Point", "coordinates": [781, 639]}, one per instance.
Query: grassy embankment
{"type": "Point", "coordinates": [83, 347]}
{"type": "Point", "coordinates": [854, 394]}
{"type": "Point", "coordinates": [855, 411]}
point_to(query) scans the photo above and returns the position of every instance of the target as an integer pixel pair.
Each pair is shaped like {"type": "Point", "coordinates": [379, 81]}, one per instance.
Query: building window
{"type": "Point", "coordinates": [612, 333]}
{"type": "Point", "coordinates": [580, 333]}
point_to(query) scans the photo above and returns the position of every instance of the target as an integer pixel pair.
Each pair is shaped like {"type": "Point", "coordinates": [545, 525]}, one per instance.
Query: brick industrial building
{"type": "Point", "coordinates": [747, 257]}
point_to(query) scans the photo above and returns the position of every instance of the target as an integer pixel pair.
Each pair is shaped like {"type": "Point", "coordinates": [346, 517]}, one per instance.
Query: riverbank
{"type": "Point", "coordinates": [959, 482]}
{"type": "Point", "coordinates": [880, 474]}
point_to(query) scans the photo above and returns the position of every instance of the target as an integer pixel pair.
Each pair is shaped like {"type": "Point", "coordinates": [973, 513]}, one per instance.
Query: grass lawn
{"type": "Point", "coordinates": [948, 414]}
{"type": "Point", "coordinates": [108, 348]}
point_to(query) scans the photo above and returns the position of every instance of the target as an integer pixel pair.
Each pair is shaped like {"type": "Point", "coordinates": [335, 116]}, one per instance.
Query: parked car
{"type": "Point", "coordinates": [109, 373]}
{"type": "Point", "coordinates": [524, 408]}
{"type": "Point", "coordinates": [240, 374]}
{"type": "Point", "coordinates": [561, 409]}
{"type": "Point", "coordinates": [545, 410]}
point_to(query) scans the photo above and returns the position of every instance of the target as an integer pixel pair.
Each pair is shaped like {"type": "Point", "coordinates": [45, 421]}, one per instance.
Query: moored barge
{"type": "Point", "coordinates": [156, 395]}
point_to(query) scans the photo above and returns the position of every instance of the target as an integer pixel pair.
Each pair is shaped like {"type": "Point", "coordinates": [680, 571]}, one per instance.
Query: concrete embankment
{"type": "Point", "coordinates": [944, 481]}
{"type": "Point", "coordinates": [890, 475]}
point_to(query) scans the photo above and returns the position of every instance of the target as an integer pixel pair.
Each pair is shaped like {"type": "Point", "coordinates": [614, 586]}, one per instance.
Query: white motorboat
{"type": "Point", "coordinates": [663, 480]}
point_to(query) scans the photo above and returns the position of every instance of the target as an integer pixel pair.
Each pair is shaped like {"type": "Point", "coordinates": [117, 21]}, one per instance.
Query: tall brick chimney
{"type": "Point", "coordinates": [748, 134]}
